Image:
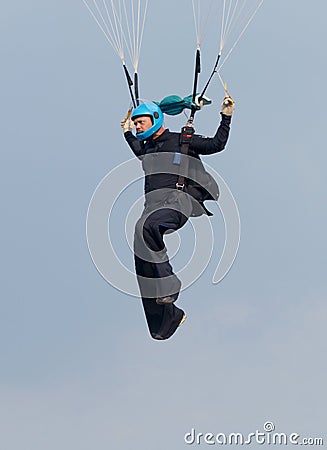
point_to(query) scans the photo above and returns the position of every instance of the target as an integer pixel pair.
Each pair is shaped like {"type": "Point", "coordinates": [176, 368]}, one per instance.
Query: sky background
{"type": "Point", "coordinates": [78, 368]}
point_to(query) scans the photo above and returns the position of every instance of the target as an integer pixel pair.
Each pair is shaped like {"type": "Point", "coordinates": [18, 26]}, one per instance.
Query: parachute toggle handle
{"type": "Point", "coordinates": [228, 100]}
{"type": "Point", "coordinates": [128, 115]}
{"type": "Point", "coordinates": [227, 94]}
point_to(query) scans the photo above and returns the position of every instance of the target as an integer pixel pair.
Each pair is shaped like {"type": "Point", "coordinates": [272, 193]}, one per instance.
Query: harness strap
{"type": "Point", "coordinates": [185, 141]}
{"type": "Point", "coordinates": [130, 84]}
{"type": "Point", "coordinates": [197, 71]}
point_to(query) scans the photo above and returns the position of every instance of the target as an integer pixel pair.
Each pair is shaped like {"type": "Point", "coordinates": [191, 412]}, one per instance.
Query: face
{"type": "Point", "coordinates": [142, 124]}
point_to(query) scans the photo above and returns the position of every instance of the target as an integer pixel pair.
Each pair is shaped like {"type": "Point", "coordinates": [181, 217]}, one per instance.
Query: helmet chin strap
{"type": "Point", "coordinates": [158, 133]}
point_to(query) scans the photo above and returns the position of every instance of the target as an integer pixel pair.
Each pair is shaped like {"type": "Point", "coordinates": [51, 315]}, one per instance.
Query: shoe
{"type": "Point", "coordinates": [183, 320]}
{"type": "Point", "coordinates": [158, 337]}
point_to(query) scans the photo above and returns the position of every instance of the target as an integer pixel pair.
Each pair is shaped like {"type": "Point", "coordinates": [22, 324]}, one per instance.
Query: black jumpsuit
{"type": "Point", "coordinates": [154, 272]}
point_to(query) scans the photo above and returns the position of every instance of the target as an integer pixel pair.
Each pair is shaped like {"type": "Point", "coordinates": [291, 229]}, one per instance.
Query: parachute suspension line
{"type": "Point", "coordinates": [196, 23]}
{"type": "Point", "coordinates": [117, 42]}
{"type": "Point", "coordinates": [201, 23]}
{"type": "Point", "coordinates": [136, 53]}
{"type": "Point", "coordinates": [122, 22]}
{"type": "Point", "coordinates": [221, 80]}
{"type": "Point", "coordinates": [241, 34]}
{"type": "Point", "coordinates": [214, 70]}
{"type": "Point", "coordinates": [134, 36]}
{"type": "Point", "coordinates": [230, 16]}
{"type": "Point", "coordinates": [137, 31]}
{"type": "Point", "coordinates": [222, 27]}
{"type": "Point", "coordinates": [224, 85]}
{"type": "Point", "coordinates": [134, 30]}
{"type": "Point", "coordinates": [138, 44]}
{"type": "Point", "coordinates": [227, 20]}
{"type": "Point", "coordinates": [115, 29]}
{"type": "Point", "coordinates": [197, 70]}
{"type": "Point", "coordinates": [111, 33]}
{"type": "Point", "coordinates": [140, 30]}
{"type": "Point", "coordinates": [112, 41]}
{"type": "Point", "coordinates": [130, 48]}
{"type": "Point", "coordinates": [128, 44]}
{"type": "Point", "coordinates": [232, 21]}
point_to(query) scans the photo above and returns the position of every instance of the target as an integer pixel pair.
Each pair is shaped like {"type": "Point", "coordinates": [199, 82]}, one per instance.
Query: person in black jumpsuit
{"type": "Point", "coordinates": [159, 286]}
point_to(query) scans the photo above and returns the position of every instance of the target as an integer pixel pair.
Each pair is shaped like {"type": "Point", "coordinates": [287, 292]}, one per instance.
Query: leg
{"type": "Point", "coordinates": [162, 320]}
{"type": "Point", "coordinates": [152, 230]}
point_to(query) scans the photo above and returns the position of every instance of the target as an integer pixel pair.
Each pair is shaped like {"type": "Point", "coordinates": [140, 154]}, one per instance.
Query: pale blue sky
{"type": "Point", "coordinates": [78, 368]}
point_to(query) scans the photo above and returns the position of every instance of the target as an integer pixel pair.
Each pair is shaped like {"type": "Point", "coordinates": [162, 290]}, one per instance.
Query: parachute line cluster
{"type": "Point", "coordinates": [202, 17]}
{"type": "Point", "coordinates": [233, 18]}
{"type": "Point", "coordinates": [122, 22]}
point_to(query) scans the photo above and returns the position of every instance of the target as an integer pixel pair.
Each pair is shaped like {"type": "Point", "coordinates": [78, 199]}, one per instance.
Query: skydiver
{"type": "Point", "coordinates": [165, 210]}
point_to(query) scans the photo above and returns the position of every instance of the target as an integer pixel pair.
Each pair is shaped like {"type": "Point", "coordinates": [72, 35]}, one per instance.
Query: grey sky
{"type": "Point", "coordinates": [78, 368]}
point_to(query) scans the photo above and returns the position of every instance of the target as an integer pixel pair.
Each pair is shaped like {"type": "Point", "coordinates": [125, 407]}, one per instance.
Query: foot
{"type": "Point", "coordinates": [158, 337]}
{"type": "Point", "coordinates": [183, 320]}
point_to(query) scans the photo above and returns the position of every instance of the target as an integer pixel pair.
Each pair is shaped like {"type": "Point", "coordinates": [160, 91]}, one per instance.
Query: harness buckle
{"type": "Point", "coordinates": [186, 135]}
{"type": "Point", "coordinates": [179, 186]}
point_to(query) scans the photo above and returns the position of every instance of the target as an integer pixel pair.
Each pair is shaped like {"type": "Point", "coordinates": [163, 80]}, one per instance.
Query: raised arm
{"type": "Point", "coordinates": [207, 145]}
{"type": "Point", "coordinates": [135, 144]}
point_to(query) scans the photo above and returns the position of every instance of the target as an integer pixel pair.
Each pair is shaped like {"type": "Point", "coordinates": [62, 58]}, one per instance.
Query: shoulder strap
{"type": "Point", "coordinates": [185, 141]}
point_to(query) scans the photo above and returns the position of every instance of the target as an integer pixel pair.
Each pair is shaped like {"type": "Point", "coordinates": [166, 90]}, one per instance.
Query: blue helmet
{"type": "Point", "coordinates": [154, 112]}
